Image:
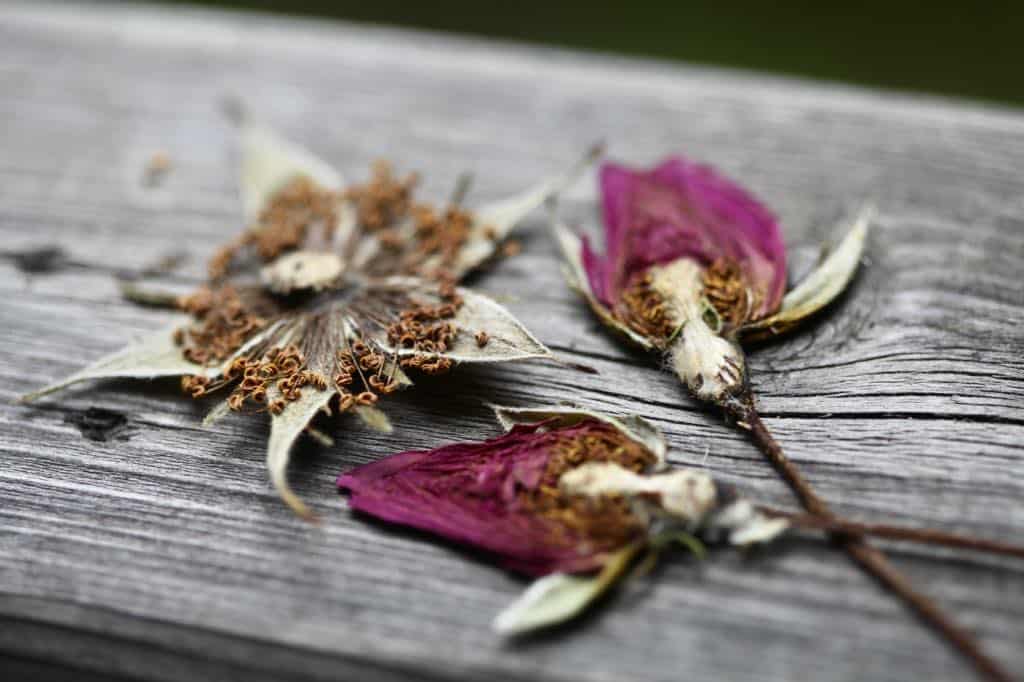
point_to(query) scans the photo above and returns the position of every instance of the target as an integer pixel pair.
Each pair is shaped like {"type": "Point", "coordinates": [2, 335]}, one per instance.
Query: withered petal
{"type": "Point", "coordinates": [680, 209]}
{"type": "Point", "coordinates": [466, 492]}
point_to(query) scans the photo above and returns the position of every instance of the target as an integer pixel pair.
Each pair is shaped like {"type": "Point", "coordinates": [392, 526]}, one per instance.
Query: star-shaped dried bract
{"type": "Point", "coordinates": [332, 297]}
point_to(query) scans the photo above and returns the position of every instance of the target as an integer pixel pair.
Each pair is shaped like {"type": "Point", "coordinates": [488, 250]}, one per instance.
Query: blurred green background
{"type": "Point", "coordinates": [970, 49]}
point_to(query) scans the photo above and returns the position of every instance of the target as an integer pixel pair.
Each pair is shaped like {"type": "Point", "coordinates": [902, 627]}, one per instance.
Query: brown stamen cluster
{"type": "Point", "coordinates": [384, 200]}
{"type": "Point", "coordinates": [727, 291]}
{"type": "Point", "coordinates": [427, 329]}
{"type": "Point", "coordinates": [605, 521]}
{"type": "Point", "coordinates": [363, 376]}
{"type": "Point", "coordinates": [644, 310]}
{"type": "Point", "coordinates": [222, 325]}
{"type": "Point", "coordinates": [278, 377]}
{"type": "Point", "coordinates": [383, 203]}
{"type": "Point", "coordinates": [441, 235]}
{"type": "Point", "coordinates": [283, 225]}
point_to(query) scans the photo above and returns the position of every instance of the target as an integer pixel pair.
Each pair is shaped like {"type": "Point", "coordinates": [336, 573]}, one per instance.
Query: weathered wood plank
{"type": "Point", "coordinates": [162, 552]}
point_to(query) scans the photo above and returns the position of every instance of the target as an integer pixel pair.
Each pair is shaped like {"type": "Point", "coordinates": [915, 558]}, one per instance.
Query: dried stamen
{"type": "Point", "coordinates": [283, 225]}
{"type": "Point", "coordinates": [644, 310]}
{"type": "Point", "coordinates": [427, 329]}
{"type": "Point", "coordinates": [726, 289]}
{"type": "Point", "coordinates": [223, 324]}
{"type": "Point", "coordinates": [384, 200]}
{"type": "Point", "coordinates": [605, 521]}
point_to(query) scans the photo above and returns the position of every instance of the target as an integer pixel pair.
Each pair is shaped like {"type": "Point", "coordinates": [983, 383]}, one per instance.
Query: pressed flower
{"type": "Point", "coordinates": [693, 265]}
{"type": "Point", "coordinates": [564, 491]}
{"type": "Point", "coordinates": [332, 296]}
{"type": "Point", "coordinates": [574, 498]}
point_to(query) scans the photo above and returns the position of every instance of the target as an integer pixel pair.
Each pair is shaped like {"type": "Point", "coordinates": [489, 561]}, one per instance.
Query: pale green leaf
{"type": "Point", "coordinates": [572, 249]}
{"type": "Point", "coordinates": [374, 418]}
{"type": "Point", "coordinates": [507, 338]}
{"type": "Point", "coordinates": [218, 412]}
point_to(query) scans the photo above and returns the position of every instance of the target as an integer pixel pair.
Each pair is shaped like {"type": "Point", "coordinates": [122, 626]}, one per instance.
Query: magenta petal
{"type": "Point", "coordinates": [683, 210]}
{"type": "Point", "coordinates": [466, 492]}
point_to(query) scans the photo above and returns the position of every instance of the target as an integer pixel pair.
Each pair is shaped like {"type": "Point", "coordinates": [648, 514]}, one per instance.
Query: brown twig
{"type": "Point", "coordinates": [870, 558]}
{"type": "Point", "coordinates": [924, 536]}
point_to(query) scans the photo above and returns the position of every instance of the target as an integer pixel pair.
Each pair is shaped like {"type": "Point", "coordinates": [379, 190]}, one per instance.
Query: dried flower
{"type": "Point", "coordinates": [692, 264]}
{"type": "Point", "coordinates": [574, 498]}
{"type": "Point", "coordinates": [333, 294]}
{"type": "Point", "coordinates": [565, 491]}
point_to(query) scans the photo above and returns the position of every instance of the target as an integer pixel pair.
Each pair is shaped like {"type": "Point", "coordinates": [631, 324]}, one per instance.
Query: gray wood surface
{"type": "Point", "coordinates": [162, 553]}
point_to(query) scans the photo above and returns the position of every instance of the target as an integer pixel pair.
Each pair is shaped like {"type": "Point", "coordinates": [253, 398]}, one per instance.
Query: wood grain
{"type": "Point", "coordinates": [163, 554]}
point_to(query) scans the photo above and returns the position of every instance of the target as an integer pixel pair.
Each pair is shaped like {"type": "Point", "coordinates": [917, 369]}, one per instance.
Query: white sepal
{"type": "Point", "coordinates": [156, 355]}
{"type": "Point", "coordinates": [823, 285]}
{"type": "Point", "coordinates": [746, 525]}
{"type": "Point", "coordinates": [494, 222]}
{"type": "Point", "coordinates": [559, 597]}
{"type": "Point", "coordinates": [269, 162]}
{"type": "Point", "coordinates": [284, 429]}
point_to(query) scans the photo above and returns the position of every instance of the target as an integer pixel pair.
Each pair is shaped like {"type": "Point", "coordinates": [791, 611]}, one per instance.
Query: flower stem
{"type": "Point", "coordinates": [869, 558]}
{"type": "Point", "coordinates": [924, 536]}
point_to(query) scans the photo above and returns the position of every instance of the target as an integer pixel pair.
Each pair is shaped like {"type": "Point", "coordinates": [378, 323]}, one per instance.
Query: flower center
{"type": "Point", "coordinates": [299, 270]}
{"type": "Point", "coordinates": [710, 364]}
{"type": "Point", "coordinates": [606, 521]}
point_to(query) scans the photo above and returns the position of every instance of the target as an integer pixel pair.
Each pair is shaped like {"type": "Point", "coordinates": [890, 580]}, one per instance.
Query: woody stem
{"type": "Point", "coordinates": [869, 558]}
{"type": "Point", "coordinates": [924, 536]}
